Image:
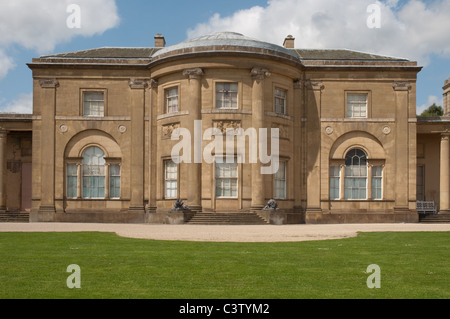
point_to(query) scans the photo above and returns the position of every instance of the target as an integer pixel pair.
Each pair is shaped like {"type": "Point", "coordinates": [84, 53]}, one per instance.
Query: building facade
{"type": "Point", "coordinates": [106, 123]}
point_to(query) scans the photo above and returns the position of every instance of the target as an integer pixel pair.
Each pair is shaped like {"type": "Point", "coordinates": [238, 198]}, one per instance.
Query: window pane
{"type": "Point", "coordinates": [93, 173]}
{"type": "Point", "coordinates": [72, 181]}
{"type": "Point", "coordinates": [227, 180]}
{"type": "Point", "coordinates": [172, 100]}
{"type": "Point", "coordinates": [226, 95]}
{"type": "Point", "coordinates": [93, 104]}
{"type": "Point", "coordinates": [170, 180]}
{"type": "Point", "coordinates": [280, 101]}
{"type": "Point", "coordinates": [357, 105]}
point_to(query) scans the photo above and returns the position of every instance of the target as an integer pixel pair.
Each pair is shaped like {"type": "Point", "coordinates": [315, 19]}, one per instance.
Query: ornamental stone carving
{"type": "Point", "coordinates": [122, 129]}
{"type": "Point", "coordinates": [283, 130]}
{"type": "Point", "coordinates": [227, 124]}
{"type": "Point", "coordinates": [63, 128]}
{"type": "Point", "coordinates": [195, 73]}
{"type": "Point", "coordinates": [329, 130]}
{"type": "Point", "coordinates": [167, 130]}
{"type": "Point", "coordinates": [386, 130]}
{"type": "Point", "coordinates": [260, 74]}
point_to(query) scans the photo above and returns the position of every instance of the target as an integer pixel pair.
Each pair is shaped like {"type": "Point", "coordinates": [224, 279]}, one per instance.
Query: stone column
{"type": "Point", "coordinates": [3, 138]}
{"type": "Point", "coordinates": [258, 190]}
{"type": "Point", "coordinates": [48, 110]}
{"type": "Point", "coordinates": [444, 207]}
{"type": "Point", "coordinates": [138, 87]}
{"type": "Point", "coordinates": [194, 103]}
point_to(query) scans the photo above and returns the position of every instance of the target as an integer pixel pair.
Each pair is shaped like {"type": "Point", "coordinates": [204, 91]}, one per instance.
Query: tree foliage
{"type": "Point", "coordinates": [433, 110]}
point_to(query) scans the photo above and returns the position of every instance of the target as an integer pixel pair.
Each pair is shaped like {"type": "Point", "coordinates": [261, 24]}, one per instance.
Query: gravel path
{"type": "Point", "coordinates": [269, 233]}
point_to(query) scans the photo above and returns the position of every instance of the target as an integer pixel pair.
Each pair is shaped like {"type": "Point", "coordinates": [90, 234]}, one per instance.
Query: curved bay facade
{"type": "Point", "coordinates": [105, 123]}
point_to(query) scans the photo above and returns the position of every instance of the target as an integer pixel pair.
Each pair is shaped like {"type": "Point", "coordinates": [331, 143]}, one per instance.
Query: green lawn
{"type": "Point", "coordinates": [413, 265]}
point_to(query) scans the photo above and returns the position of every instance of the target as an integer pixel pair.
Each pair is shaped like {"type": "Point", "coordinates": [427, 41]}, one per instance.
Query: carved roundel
{"type": "Point", "coordinates": [329, 130]}
{"type": "Point", "coordinates": [63, 128]}
{"type": "Point", "coordinates": [122, 129]}
{"type": "Point", "coordinates": [387, 130]}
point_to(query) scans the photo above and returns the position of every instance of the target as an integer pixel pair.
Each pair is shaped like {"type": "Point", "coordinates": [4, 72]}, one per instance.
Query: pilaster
{"type": "Point", "coordinates": [48, 110]}
{"type": "Point", "coordinates": [258, 190]}
{"type": "Point", "coordinates": [313, 145]}
{"type": "Point", "coordinates": [402, 152]}
{"type": "Point", "coordinates": [138, 89]}
{"type": "Point", "coordinates": [194, 191]}
{"type": "Point", "coordinates": [444, 207]}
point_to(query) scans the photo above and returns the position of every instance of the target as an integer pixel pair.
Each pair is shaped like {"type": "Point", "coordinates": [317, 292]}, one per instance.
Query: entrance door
{"type": "Point", "coordinates": [26, 187]}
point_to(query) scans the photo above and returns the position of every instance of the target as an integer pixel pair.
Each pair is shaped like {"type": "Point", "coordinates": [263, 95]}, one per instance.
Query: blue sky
{"type": "Point", "coordinates": [409, 28]}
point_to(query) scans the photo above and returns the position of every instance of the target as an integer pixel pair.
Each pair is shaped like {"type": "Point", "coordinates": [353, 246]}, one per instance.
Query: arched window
{"type": "Point", "coordinates": [356, 174]}
{"type": "Point", "coordinates": [96, 178]}
{"type": "Point", "coordinates": [93, 173]}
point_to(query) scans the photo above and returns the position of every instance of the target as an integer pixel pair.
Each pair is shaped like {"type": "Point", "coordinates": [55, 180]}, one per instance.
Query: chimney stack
{"type": "Point", "coordinates": [160, 41]}
{"type": "Point", "coordinates": [289, 42]}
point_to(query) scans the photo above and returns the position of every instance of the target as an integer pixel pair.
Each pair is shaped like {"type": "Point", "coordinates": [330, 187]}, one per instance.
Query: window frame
{"type": "Point", "coordinates": [165, 179]}
{"type": "Point", "coordinates": [97, 178]}
{"type": "Point", "coordinates": [338, 178]}
{"type": "Point", "coordinates": [84, 92]}
{"type": "Point", "coordinates": [167, 97]}
{"type": "Point", "coordinates": [216, 95]}
{"type": "Point", "coordinates": [230, 178]}
{"type": "Point", "coordinates": [368, 112]}
{"type": "Point", "coordinates": [283, 180]}
{"type": "Point", "coordinates": [284, 99]}
{"type": "Point", "coordinates": [350, 179]}
{"type": "Point", "coordinates": [114, 177]}
{"type": "Point", "coordinates": [71, 176]}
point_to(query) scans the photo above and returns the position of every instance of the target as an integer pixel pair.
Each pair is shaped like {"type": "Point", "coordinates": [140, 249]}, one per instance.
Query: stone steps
{"type": "Point", "coordinates": [205, 218]}
{"type": "Point", "coordinates": [434, 218]}
{"type": "Point", "coordinates": [14, 217]}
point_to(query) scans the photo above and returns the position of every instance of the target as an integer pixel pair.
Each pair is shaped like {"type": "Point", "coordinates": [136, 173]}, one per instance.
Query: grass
{"type": "Point", "coordinates": [413, 265]}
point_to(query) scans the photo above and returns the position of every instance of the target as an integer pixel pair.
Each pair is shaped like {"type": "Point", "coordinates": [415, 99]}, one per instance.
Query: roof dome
{"type": "Point", "coordinates": [226, 42]}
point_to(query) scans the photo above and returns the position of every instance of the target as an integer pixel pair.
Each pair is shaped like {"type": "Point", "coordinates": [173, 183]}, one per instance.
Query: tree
{"type": "Point", "coordinates": [433, 110]}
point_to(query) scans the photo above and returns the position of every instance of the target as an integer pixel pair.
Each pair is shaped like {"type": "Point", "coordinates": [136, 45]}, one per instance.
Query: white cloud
{"type": "Point", "coordinates": [413, 30]}
{"type": "Point", "coordinates": [22, 104]}
{"type": "Point", "coordinates": [431, 100]}
{"type": "Point", "coordinates": [6, 64]}
{"type": "Point", "coordinates": [41, 25]}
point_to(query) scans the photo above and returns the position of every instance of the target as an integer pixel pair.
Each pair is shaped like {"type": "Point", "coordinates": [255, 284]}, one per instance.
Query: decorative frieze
{"type": "Point", "coordinates": [168, 129]}
{"type": "Point", "coordinates": [223, 125]}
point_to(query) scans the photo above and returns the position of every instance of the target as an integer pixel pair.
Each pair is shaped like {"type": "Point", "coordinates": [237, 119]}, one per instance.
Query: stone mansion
{"type": "Point", "coordinates": [99, 144]}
